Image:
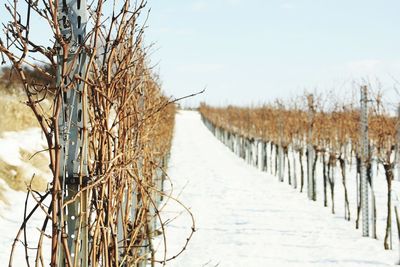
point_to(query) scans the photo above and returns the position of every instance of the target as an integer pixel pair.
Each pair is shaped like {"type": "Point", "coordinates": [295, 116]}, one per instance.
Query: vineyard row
{"type": "Point", "coordinates": [311, 146]}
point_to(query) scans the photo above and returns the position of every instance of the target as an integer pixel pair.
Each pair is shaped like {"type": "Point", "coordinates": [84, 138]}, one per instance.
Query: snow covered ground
{"type": "Point", "coordinates": [245, 217]}
{"type": "Point", "coordinates": [12, 210]}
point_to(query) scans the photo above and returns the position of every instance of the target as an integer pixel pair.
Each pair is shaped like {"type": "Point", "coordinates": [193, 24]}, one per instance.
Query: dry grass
{"type": "Point", "coordinates": [14, 114]}
{"type": "Point", "coordinates": [19, 177]}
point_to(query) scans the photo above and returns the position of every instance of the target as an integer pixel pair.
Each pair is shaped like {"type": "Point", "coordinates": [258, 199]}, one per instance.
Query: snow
{"type": "Point", "coordinates": [245, 217]}
{"type": "Point", "coordinates": [12, 213]}
{"type": "Point", "coordinates": [11, 143]}
{"type": "Point", "coordinates": [10, 220]}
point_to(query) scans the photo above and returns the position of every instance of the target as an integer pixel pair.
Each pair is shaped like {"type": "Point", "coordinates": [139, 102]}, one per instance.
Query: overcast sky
{"type": "Point", "coordinates": [254, 51]}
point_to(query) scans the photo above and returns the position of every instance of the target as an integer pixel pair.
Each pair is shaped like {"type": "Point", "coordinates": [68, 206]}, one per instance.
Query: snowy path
{"type": "Point", "coordinates": [245, 217]}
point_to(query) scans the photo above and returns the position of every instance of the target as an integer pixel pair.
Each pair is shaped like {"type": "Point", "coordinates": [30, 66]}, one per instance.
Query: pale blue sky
{"type": "Point", "coordinates": [253, 51]}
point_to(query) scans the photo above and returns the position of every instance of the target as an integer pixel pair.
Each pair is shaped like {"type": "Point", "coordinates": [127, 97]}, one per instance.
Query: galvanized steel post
{"type": "Point", "coordinates": [310, 150]}
{"type": "Point", "coordinates": [364, 158]}
{"type": "Point", "coordinates": [72, 18]}
{"type": "Point", "coordinates": [281, 156]}
{"type": "Point", "coordinates": [398, 143]}
{"type": "Point", "coordinates": [261, 154]}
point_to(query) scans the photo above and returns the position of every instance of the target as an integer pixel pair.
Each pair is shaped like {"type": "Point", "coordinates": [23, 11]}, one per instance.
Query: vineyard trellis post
{"type": "Point", "coordinates": [398, 143]}
{"type": "Point", "coordinates": [364, 158]}
{"type": "Point", "coordinates": [261, 154]}
{"type": "Point", "coordinates": [147, 246]}
{"type": "Point", "coordinates": [310, 150]}
{"type": "Point", "coordinates": [73, 119]}
{"type": "Point", "coordinates": [281, 159]}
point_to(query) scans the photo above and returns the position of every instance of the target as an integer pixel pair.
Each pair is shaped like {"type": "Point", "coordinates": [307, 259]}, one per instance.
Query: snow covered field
{"type": "Point", "coordinates": [12, 210]}
{"type": "Point", "coordinates": [245, 217]}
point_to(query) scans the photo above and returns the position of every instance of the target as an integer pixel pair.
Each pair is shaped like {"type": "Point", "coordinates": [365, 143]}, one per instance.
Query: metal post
{"type": "Point", "coordinates": [234, 144]}
{"type": "Point", "coordinates": [280, 163]}
{"type": "Point", "coordinates": [239, 145]}
{"type": "Point", "coordinates": [310, 150]}
{"type": "Point", "coordinates": [73, 119]}
{"type": "Point", "coordinates": [266, 156]}
{"type": "Point", "coordinates": [247, 150]}
{"type": "Point", "coordinates": [398, 143]}
{"type": "Point", "coordinates": [145, 250]}
{"type": "Point", "coordinates": [261, 154]}
{"type": "Point", "coordinates": [281, 156]}
{"type": "Point", "coordinates": [254, 148]}
{"type": "Point", "coordinates": [364, 158]}
{"type": "Point", "coordinates": [294, 168]}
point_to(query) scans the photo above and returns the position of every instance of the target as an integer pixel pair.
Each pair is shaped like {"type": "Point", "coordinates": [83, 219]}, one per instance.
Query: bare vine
{"type": "Point", "coordinates": [128, 135]}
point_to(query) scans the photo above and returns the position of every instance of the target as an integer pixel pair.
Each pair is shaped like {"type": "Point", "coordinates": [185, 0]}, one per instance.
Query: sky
{"type": "Point", "coordinates": [255, 51]}
{"type": "Point", "coordinates": [249, 52]}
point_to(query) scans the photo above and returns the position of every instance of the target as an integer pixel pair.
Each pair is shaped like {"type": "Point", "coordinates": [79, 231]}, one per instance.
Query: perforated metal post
{"type": "Point", "coordinates": [310, 150]}
{"type": "Point", "coordinates": [281, 156]}
{"type": "Point", "coordinates": [281, 163]}
{"type": "Point", "coordinates": [398, 143]}
{"type": "Point", "coordinates": [141, 164]}
{"type": "Point", "coordinates": [294, 169]}
{"type": "Point", "coordinates": [247, 150]}
{"type": "Point", "coordinates": [254, 152]}
{"type": "Point", "coordinates": [364, 158]}
{"type": "Point", "coordinates": [72, 18]}
{"type": "Point", "coordinates": [261, 154]}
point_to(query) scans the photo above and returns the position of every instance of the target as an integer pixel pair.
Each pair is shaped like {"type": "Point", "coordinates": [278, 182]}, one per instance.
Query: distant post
{"type": "Point", "coordinates": [364, 159]}
{"type": "Point", "coordinates": [398, 143]}
{"type": "Point", "coordinates": [310, 150]}
{"type": "Point", "coordinates": [281, 159]}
